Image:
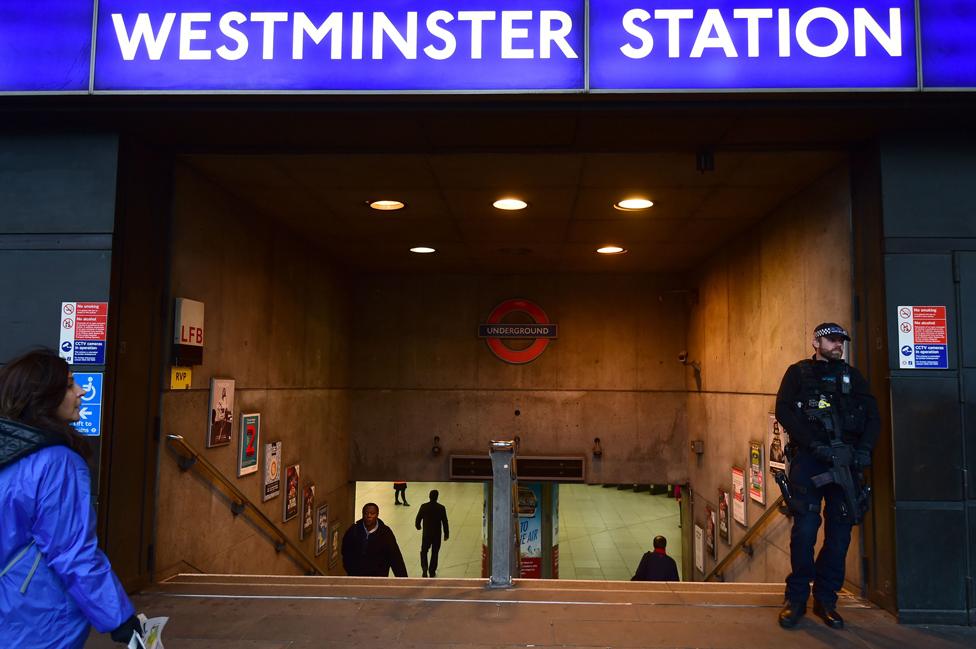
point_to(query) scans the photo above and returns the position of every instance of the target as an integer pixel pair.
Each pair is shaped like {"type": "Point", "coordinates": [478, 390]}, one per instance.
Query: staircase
{"type": "Point", "coordinates": [265, 612]}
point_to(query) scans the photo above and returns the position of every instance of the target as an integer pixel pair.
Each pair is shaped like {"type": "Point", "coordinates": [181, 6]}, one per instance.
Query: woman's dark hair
{"type": "Point", "coordinates": [32, 387]}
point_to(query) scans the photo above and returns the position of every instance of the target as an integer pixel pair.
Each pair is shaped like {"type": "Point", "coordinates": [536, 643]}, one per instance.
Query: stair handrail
{"type": "Point", "coordinates": [188, 458]}
{"type": "Point", "coordinates": [745, 543]}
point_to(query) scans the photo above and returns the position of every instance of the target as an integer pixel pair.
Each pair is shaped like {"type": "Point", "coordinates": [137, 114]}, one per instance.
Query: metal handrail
{"type": "Point", "coordinates": [744, 544]}
{"type": "Point", "coordinates": [189, 458]}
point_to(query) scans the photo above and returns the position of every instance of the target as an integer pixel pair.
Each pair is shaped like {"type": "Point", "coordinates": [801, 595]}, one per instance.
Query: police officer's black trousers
{"type": "Point", "coordinates": [827, 572]}
{"type": "Point", "coordinates": [434, 545]}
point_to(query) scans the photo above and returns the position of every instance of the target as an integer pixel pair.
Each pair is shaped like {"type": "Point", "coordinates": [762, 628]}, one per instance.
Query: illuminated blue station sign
{"type": "Point", "coordinates": [210, 46]}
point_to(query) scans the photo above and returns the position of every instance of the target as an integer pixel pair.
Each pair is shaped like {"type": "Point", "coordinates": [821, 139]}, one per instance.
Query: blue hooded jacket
{"type": "Point", "coordinates": [67, 581]}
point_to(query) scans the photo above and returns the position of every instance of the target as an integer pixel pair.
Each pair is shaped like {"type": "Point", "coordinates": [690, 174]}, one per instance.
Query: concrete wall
{"type": "Point", "coordinates": [276, 322]}
{"type": "Point", "coordinates": [759, 299]}
{"type": "Point", "coordinates": [421, 371]}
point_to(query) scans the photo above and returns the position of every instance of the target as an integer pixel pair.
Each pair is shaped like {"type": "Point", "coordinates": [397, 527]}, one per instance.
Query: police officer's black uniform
{"type": "Point", "coordinates": [811, 384]}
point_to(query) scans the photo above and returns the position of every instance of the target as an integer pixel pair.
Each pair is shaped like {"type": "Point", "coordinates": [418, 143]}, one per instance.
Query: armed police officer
{"type": "Point", "coordinates": [832, 420]}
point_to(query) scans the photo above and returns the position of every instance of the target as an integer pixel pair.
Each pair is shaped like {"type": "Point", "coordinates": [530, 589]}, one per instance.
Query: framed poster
{"type": "Point", "coordinates": [220, 424]}
{"type": "Point", "coordinates": [699, 548]}
{"type": "Point", "coordinates": [292, 474]}
{"type": "Point", "coordinates": [272, 471]}
{"type": "Point", "coordinates": [757, 473]}
{"type": "Point", "coordinates": [724, 505]}
{"type": "Point", "coordinates": [308, 518]}
{"type": "Point", "coordinates": [248, 444]}
{"type": "Point", "coordinates": [321, 529]}
{"type": "Point", "coordinates": [739, 496]}
{"type": "Point", "coordinates": [334, 546]}
{"type": "Point", "coordinates": [776, 440]}
{"type": "Point", "coordinates": [710, 530]}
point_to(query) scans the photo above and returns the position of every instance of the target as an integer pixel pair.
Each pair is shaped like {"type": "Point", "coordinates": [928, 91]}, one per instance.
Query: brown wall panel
{"type": "Point", "coordinates": [420, 370]}
{"type": "Point", "coordinates": [277, 322]}
{"type": "Point", "coordinates": [758, 302]}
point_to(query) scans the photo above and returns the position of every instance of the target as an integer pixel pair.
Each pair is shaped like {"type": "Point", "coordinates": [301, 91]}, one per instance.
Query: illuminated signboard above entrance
{"type": "Point", "coordinates": [45, 45]}
{"type": "Point", "coordinates": [354, 45]}
{"type": "Point", "coordinates": [731, 44]}
{"type": "Point", "coordinates": [410, 46]}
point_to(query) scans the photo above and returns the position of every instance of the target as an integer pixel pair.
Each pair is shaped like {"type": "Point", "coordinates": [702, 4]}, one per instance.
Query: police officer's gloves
{"type": "Point", "coordinates": [822, 452]}
{"type": "Point", "coordinates": [862, 458]}
{"type": "Point", "coordinates": [124, 632]}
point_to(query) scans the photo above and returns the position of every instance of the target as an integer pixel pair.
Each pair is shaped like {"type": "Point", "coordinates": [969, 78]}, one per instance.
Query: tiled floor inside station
{"type": "Point", "coordinates": [602, 531]}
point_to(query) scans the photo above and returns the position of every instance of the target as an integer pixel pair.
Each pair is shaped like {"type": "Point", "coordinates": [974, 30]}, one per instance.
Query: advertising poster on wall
{"type": "Point", "coordinates": [220, 425]}
{"type": "Point", "coordinates": [530, 529]}
{"type": "Point", "coordinates": [308, 514]}
{"type": "Point", "coordinates": [776, 440]}
{"type": "Point", "coordinates": [757, 473]}
{"type": "Point", "coordinates": [292, 496]}
{"type": "Point", "coordinates": [699, 548]}
{"type": "Point", "coordinates": [321, 529]}
{"type": "Point", "coordinates": [724, 531]}
{"type": "Point", "coordinates": [334, 529]}
{"type": "Point", "coordinates": [248, 444]}
{"type": "Point", "coordinates": [739, 496]}
{"type": "Point", "coordinates": [710, 530]}
{"type": "Point", "coordinates": [272, 470]}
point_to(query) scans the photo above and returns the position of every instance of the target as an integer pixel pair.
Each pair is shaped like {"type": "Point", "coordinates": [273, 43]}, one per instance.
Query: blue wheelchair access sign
{"type": "Point", "coordinates": [91, 404]}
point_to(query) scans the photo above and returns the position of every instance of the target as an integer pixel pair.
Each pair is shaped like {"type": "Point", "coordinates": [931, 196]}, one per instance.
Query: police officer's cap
{"type": "Point", "coordinates": [830, 329]}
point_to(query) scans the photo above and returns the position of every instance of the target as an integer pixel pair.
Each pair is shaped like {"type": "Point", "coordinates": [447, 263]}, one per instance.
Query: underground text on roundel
{"type": "Point", "coordinates": [502, 44]}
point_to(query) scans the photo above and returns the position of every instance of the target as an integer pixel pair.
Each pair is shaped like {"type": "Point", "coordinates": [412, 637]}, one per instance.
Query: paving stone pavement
{"type": "Point", "coordinates": [247, 612]}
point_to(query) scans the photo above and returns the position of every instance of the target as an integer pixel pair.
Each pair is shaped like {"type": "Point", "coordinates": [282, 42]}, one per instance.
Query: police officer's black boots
{"type": "Point", "coordinates": [830, 616]}
{"type": "Point", "coordinates": [791, 614]}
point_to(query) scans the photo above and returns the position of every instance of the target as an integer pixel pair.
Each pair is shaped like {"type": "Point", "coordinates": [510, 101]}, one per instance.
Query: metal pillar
{"type": "Point", "coordinates": [504, 560]}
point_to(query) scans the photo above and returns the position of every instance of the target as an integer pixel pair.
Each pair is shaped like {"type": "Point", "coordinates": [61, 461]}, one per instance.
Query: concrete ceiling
{"type": "Point", "coordinates": [449, 195]}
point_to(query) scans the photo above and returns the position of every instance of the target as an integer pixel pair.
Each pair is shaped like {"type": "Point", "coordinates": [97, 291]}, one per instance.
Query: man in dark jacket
{"type": "Point", "coordinates": [657, 565]}
{"type": "Point", "coordinates": [369, 548]}
{"type": "Point", "coordinates": [433, 516]}
{"type": "Point", "coordinates": [827, 408]}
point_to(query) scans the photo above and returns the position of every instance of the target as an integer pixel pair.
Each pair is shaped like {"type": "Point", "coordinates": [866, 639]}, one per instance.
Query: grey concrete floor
{"type": "Point", "coordinates": [246, 612]}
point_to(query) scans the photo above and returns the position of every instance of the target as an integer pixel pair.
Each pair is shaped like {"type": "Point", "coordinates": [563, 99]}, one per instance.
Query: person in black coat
{"type": "Point", "coordinates": [657, 565]}
{"type": "Point", "coordinates": [369, 547]}
{"type": "Point", "coordinates": [432, 516]}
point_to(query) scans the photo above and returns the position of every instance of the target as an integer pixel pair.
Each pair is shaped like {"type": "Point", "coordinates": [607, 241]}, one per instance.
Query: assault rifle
{"type": "Point", "coordinates": [843, 472]}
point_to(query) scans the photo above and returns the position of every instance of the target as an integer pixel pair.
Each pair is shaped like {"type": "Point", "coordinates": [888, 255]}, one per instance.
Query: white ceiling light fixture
{"type": "Point", "coordinates": [633, 204]}
{"type": "Point", "coordinates": [423, 250]}
{"type": "Point", "coordinates": [387, 205]}
{"type": "Point", "coordinates": [510, 204]}
{"type": "Point", "coordinates": [611, 250]}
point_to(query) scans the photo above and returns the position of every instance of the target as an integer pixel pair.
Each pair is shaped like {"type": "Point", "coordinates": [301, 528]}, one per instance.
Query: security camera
{"type": "Point", "coordinates": [683, 357]}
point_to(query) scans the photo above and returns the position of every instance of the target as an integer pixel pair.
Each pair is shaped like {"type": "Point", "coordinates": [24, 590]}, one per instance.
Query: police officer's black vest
{"type": "Point", "coordinates": [835, 386]}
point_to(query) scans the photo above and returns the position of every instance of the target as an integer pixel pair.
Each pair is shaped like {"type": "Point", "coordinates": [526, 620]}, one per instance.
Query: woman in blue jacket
{"type": "Point", "coordinates": [54, 581]}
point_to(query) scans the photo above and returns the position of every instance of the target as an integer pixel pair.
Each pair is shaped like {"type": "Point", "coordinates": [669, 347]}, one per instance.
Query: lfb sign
{"type": "Point", "coordinates": [189, 322]}
{"type": "Point", "coordinates": [188, 332]}
{"type": "Point", "coordinates": [540, 331]}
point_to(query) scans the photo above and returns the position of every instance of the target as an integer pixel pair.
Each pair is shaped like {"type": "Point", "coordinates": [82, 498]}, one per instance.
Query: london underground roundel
{"type": "Point", "coordinates": [540, 331]}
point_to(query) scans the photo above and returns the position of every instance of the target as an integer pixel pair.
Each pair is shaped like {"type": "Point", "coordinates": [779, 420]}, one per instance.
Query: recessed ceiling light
{"type": "Point", "coordinates": [611, 250]}
{"type": "Point", "coordinates": [510, 204]}
{"type": "Point", "coordinates": [422, 250]}
{"type": "Point", "coordinates": [387, 205]}
{"type": "Point", "coordinates": [633, 204]}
